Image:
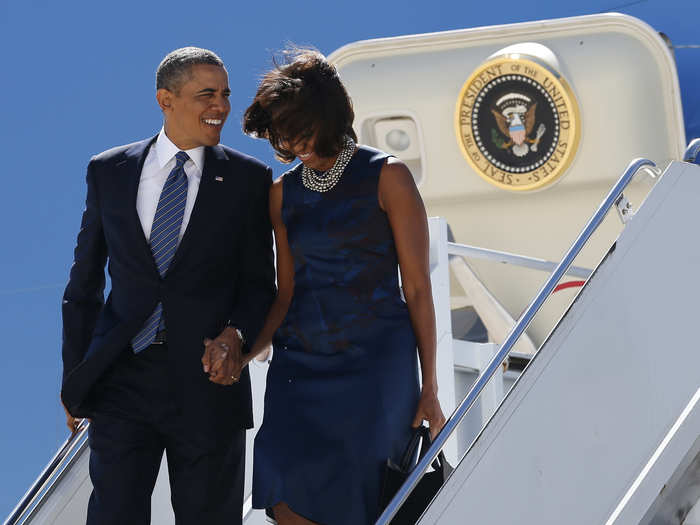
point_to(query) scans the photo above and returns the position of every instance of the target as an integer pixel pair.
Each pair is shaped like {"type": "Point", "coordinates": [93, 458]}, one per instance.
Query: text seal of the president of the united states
{"type": "Point", "coordinates": [517, 123]}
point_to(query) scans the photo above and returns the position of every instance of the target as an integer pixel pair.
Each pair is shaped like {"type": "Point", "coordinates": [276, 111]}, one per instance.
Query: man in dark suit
{"type": "Point", "coordinates": [183, 224]}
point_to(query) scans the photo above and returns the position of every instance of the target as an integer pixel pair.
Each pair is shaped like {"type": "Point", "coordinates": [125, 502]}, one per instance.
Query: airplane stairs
{"type": "Point", "coordinates": [603, 426]}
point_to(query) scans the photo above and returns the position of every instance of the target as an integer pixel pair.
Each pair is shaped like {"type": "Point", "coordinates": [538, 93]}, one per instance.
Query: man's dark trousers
{"type": "Point", "coordinates": [136, 418]}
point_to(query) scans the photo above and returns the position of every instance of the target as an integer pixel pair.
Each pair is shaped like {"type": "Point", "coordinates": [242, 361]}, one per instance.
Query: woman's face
{"type": "Point", "coordinates": [305, 151]}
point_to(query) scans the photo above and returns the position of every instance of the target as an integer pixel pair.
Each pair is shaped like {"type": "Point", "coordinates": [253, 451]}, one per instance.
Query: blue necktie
{"type": "Point", "coordinates": [165, 233]}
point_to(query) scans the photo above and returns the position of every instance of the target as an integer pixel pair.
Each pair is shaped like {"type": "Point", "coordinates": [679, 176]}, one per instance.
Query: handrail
{"type": "Point", "coordinates": [692, 151]}
{"type": "Point", "coordinates": [44, 483]}
{"type": "Point", "coordinates": [518, 329]}
{"type": "Point", "coordinates": [535, 263]}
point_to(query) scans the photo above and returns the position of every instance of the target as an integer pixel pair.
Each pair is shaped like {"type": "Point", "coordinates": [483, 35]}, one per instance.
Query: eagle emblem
{"type": "Point", "coordinates": [515, 118]}
{"type": "Point", "coordinates": [517, 121]}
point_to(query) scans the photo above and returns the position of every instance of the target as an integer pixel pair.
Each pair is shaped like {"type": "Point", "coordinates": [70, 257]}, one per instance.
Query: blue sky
{"type": "Point", "coordinates": [78, 78]}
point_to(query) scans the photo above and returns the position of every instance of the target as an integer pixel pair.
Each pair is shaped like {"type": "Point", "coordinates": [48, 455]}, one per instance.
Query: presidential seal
{"type": "Point", "coordinates": [517, 122]}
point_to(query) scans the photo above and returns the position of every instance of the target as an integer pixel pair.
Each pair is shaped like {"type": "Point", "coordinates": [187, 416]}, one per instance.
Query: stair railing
{"type": "Point", "coordinates": [451, 425]}
{"type": "Point", "coordinates": [534, 263]}
{"type": "Point", "coordinates": [692, 152]}
{"type": "Point", "coordinates": [43, 486]}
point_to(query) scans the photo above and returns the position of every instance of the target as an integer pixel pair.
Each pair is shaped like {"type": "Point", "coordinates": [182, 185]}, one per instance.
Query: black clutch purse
{"type": "Point", "coordinates": [427, 487]}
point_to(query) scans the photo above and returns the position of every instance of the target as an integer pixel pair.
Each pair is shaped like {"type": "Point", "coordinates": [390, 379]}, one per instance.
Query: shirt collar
{"type": "Point", "coordinates": [166, 150]}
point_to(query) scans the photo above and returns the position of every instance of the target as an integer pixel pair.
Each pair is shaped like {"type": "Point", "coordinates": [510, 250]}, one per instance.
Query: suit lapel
{"type": "Point", "coordinates": [214, 170]}
{"type": "Point", "coordinates": [131, 167]}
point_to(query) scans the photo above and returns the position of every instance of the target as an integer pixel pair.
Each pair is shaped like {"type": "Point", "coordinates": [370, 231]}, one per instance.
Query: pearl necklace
{"type": "Point", "coordinates": [326, 180]}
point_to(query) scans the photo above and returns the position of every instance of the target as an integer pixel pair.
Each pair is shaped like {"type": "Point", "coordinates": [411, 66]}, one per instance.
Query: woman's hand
{"type": "Point", "coordinates": [222, 357]}
{"type": "Point", "coordinates": [429, 410]}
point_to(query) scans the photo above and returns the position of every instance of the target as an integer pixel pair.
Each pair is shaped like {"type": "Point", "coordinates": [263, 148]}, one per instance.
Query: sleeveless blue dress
{"type": "Point", "coordinates": [342, 387]}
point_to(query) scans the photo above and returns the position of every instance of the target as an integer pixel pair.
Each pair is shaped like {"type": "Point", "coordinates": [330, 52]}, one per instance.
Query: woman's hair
{"type": "Point", "coordinates": [301, 98]}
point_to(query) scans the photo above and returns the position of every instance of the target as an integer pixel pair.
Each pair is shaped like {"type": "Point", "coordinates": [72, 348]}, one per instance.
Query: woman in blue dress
{"type": "Point", "coordinates": [342, 388]}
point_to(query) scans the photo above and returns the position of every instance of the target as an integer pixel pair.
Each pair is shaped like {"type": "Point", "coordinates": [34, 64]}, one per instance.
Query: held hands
{"type": "Point", "coordinates": [429, 410]}
{"type": "Point", "coordinates": [222, 358]}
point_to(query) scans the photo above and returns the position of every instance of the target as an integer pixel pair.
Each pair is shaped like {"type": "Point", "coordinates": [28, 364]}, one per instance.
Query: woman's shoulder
{"type": "Point", "coordinates": [290, 173]}
{"type": "Point", "coordinates": [279, 183]}
{"type": "Point", "coordinates": [287, 177]}
{"type": "Point", "coordinates": [372, 153]}
{"type": "Point", "coordinates": [371, 161]}
{"type": "Point", "coordinates": [283, 187]}
{"type": "Point", "coordinates": [374, 158]}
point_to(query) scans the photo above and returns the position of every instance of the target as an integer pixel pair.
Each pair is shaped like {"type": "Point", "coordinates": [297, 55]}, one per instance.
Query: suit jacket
{"type": "Point", "coordinates": [222, 272]}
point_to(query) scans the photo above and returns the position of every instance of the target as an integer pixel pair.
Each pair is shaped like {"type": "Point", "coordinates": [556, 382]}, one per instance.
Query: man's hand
{"type": "Point", "coordinates": [222, 357]}
{"type": "Point", "coordinates": [71, 422]}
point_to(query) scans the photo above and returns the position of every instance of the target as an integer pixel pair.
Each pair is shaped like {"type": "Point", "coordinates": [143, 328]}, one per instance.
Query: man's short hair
{"type": "Point", "coordinates": [175, 69]}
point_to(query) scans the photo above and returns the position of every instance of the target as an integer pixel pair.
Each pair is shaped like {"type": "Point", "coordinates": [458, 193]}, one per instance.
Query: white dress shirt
{"type": "Point", "coordinates": [159, 162]}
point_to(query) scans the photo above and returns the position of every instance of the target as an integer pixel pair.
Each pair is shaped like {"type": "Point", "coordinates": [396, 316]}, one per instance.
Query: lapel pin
{"type": "Point", "coordinates": [219, 179]}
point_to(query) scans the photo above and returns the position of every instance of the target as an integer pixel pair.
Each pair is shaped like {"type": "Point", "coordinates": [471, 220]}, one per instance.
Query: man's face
{"type": "Point", "coordinates": [195, 115]}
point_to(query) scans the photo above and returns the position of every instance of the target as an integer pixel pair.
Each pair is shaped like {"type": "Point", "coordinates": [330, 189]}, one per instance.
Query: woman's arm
{"type": "Point", "coordinates": [399, 198]}
{"type": "Point", "coordinates": [285, 276]}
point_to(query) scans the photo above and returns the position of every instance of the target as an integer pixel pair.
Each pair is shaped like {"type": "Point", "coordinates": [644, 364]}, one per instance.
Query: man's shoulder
{"type": "Point", "coordinates": [119, 152]}
{"type": "Point", "coordinates": [243, 159]}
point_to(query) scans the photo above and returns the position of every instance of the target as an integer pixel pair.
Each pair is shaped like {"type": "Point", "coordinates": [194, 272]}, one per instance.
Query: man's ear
{"type": "Point", "coordinates": [164, 98]}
